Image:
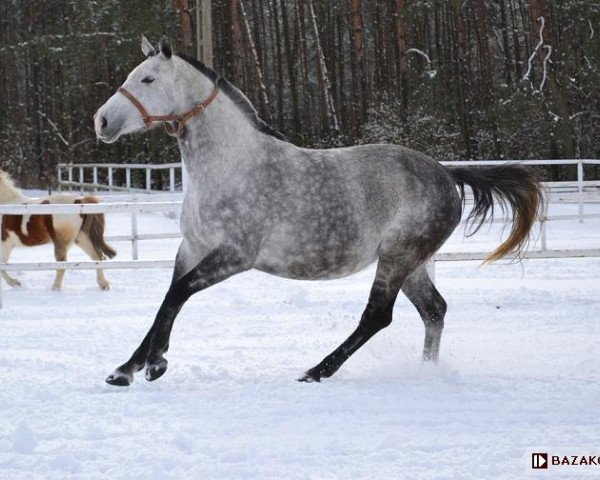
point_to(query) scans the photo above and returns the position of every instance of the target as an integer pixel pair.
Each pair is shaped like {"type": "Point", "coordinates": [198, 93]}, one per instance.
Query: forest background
{"type": "Point", "coordinates": [456, 79]}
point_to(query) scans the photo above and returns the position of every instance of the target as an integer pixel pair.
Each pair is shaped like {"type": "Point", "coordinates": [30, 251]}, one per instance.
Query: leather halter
{"type": "Point", "coordinates": [179, 120]}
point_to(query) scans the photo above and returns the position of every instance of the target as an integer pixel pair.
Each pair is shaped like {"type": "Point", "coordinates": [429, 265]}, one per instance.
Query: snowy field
{"type": "Point", "coordinates": [518, 372]}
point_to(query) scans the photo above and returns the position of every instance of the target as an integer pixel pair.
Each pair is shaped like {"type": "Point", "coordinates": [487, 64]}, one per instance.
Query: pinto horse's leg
{"type": "Point", "coordinates": [60, 254]}
{"type": "Point", "coordinates": [217, 266]}
{"type": "Point", "coordinates": [377, 315]}
{"type": "Point", "coordinates": [86, 245]}
{"type": "Point", "coordinates": [421, 291]}
{"type": "Point", "coordinates": [7, 246]}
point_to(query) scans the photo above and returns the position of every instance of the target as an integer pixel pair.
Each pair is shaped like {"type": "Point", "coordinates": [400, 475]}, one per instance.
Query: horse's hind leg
{"type": "Point", "coordinates": [60, 254]}
{"type": "Point", "coordinates": [378, 314]}
{"type": "Point", "coordinates": [86, 245]}
{"type": "Point", "coordinates": [421, 291]}
{"type": "Point", "coordinates": [6, 249]}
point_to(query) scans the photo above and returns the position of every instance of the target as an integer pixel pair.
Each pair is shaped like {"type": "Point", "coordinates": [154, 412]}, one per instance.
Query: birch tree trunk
{"type": "Point", "coordinates": [328, 105]}
{"type": "Point", "coordinates": [258, 75]}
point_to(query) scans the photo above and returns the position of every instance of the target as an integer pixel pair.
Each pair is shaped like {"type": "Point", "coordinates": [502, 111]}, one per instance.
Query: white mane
{"type": "Point", "coordinates": [9, 193]}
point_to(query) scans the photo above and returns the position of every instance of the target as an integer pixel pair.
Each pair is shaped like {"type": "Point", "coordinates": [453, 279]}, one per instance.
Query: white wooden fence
{"type": "Point", "coordinates": [580, 192]}
{"type": "Point", "coordinates": [174, 206]}
{"type": "Point", "coordinates": [73, 176]}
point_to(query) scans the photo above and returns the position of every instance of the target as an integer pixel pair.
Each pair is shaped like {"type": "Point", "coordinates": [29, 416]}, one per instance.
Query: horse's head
{"type": "Point", "coordinates": [154, 84]}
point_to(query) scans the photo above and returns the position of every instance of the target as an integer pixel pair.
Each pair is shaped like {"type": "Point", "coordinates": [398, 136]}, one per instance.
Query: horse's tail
{"type": "Point", "coordinates": [93, 227]}
{"type": "Point", "coordinates": [512, 185]}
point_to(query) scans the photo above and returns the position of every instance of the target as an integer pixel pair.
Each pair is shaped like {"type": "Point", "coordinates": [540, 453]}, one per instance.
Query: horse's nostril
{"type": "Point", "coordinates": [104, 122]}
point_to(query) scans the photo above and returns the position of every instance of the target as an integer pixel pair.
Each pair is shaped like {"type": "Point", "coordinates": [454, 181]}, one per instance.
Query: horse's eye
{"type": "Point", "coordinates": [147, 80]}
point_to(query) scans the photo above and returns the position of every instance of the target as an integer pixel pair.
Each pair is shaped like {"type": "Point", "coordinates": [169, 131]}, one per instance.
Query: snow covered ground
{"type": "Point", "coordinates": [519, 372]}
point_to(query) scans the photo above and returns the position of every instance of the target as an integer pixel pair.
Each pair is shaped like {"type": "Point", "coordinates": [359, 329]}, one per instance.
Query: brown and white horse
{"type": "Point", "coordinates": [63, 230]}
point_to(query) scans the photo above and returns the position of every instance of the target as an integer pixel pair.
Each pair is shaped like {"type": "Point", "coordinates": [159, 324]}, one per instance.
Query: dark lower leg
{"type": "Point", "coordinates": [373, 320]}
{"type": "Point", "coordinates": [220, 264]}
{"type": "Point", "coordinates": [123, 375]}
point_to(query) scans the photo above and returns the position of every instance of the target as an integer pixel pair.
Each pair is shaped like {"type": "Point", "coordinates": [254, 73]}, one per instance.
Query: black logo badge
{"type": "Point", "coordinates": [539, 461]}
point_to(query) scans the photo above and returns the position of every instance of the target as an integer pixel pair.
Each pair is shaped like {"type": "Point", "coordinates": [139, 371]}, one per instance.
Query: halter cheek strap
{"type": "Point", "coordinates": [179, 120]}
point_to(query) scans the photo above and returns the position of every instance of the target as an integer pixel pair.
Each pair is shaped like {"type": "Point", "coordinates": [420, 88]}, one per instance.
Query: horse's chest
{"type": "Point", "coordinates": [28, 231]}
{"type": "Point", "coordinates": [204, 220]}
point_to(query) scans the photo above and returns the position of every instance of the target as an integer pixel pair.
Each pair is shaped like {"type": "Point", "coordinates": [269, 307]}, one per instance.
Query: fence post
{"type": "Point", "coordinates": [59, 177]}
{"type": "Point", "coordinates": [70, 171]}
{"type": "Point", "coordinates": [172, 179]}
{"type": "Point", "coordinates": [128, 178]}
{"type": "Point", "coordinates": [134, 236]}
{"type": "Point", "coordinates": [148, 179]}
{"type": "Point", "coordinates": [95, 178]}
{"type": "Point", "coordinates": [81, 179]}
{"type": "Point", "coordinates": [110, 177]}
{"type": "Point", "coordinates": [580, 188]}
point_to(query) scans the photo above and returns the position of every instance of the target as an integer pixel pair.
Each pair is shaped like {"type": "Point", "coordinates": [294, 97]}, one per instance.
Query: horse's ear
{"type": "Point", "coordinates": [165, 47]}
{"type": "Point", "coordinates": [147, 48]}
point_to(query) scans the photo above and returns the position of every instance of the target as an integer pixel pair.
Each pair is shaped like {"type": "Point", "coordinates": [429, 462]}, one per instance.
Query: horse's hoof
{"type": "Point", "coordinates": [156, 370]}
{"type": "Point", "coordinates": [310, 376]}
{"type": "Point", "coordinates": [56, 288]}
{"type": "Point", "coordinates": [105, 286]}
{"type": "Point", "coordinates": [119, 379]}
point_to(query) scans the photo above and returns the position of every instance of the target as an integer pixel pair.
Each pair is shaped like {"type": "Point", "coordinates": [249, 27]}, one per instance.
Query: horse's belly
{"type": "Point", "coordinates": [316, 264]}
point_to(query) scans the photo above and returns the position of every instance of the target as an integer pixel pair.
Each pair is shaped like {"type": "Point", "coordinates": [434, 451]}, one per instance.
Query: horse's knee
{"type": "Point", "coordinates": [375, 319]}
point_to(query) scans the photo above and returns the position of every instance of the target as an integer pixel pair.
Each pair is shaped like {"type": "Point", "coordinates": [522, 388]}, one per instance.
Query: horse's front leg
{"type": "Point", "coordinates": [7, 246]}
{"type": "Point", "coordinates": [217, 266]}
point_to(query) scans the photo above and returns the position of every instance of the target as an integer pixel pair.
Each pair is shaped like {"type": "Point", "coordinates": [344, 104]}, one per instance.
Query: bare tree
{"type": "Point", "coordinates": [328, 106]}
{"type": "Point", "coordinates": [185, 22]}
{"type": "Point", "coordinates": [264, 100]}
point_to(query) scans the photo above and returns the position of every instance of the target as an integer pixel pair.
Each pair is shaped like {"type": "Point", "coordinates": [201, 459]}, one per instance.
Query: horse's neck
{"type": "Point", "coordinates": [219, 141]}
{"type": "Point", "coordinates": [13, 196]}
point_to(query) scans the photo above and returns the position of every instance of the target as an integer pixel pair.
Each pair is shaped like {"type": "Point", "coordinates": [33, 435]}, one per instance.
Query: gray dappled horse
{"type": "Point", "coordinates": [257, 201]}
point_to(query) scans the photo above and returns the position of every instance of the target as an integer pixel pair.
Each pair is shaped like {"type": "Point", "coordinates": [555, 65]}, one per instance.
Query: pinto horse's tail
{"type": "Point", "coordinates": [512, 185]}
{"type": "Point", "coordinates": [93, 227]}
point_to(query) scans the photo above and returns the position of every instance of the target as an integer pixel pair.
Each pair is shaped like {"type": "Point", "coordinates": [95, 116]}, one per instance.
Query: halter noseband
{"type": "Point", "coordinates": [179, 120]}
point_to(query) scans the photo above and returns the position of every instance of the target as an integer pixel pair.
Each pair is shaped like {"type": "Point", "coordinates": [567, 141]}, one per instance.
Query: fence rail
{"type": "Point", "coordinates": [73, 175]}
{"type": "Point", "coordinates": [136, 208]}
